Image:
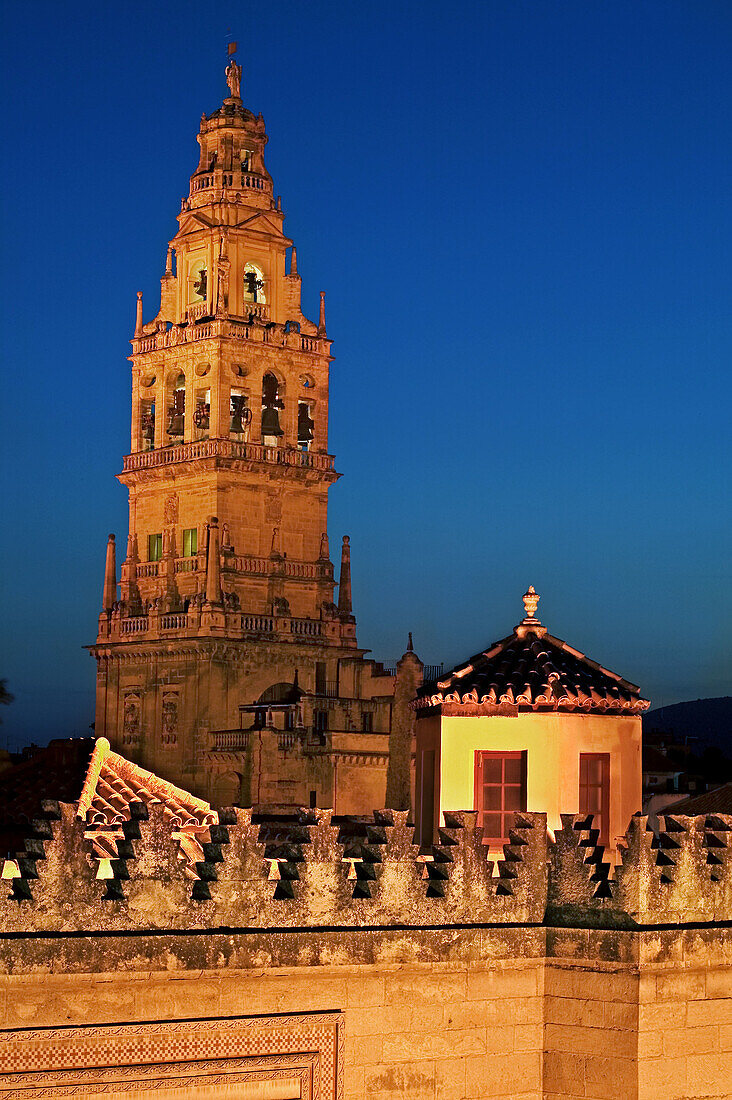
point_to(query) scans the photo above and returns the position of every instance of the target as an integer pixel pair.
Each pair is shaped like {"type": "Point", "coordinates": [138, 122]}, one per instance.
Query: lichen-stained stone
{"type": "Point", "coordinates": [241, 894]}
{"type": "Point", "coordinates": [157, 894]}
{"type": "Point", "coordinates": [322, 889]}
{"type": "Point", "coordinates": [580, 889]}
{"type": "Point", "coordinates": [61, 883]}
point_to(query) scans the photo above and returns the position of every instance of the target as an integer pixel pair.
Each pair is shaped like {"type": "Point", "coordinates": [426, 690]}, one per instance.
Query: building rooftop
{"type": "Point", "coordinates": [532, 670]}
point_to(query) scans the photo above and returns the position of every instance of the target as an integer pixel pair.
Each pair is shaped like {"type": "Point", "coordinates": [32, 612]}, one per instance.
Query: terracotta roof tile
{"type": "Point", "coordinates": [113, 782]}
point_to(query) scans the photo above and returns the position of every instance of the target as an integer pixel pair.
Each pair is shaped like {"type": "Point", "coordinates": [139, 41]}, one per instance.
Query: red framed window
{"type": "Point", "coordinates": [500, 790]}
{"type": "Point", "coordinates": [594, 790]}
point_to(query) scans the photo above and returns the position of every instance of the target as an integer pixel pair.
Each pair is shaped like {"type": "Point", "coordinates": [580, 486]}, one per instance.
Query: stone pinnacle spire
{"type": "Point", "coordinates": [138, 316]}
{"type": "Point", "coordinates": [321, 322]}
{"type": "Point", "coordinates": [344, 587]}
{"type": "Point", "coordinates": [213, 565]}
{"type": "Point", "coordinates": [109, 592]}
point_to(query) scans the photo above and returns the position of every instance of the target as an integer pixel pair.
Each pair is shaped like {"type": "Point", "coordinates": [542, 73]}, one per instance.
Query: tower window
{"type": "Point", "coordinates": [155, 547]}
{"type": "Point", "coordinates": [190, 542]}
{"type": "Point", "coordinates": [246, 160]}
{"type": "Point", "coordinates": [367, 722]}
{"type": "Point", "coordinates": [253, 284]}
{"type": "Point", "coordinates": [320, 721]}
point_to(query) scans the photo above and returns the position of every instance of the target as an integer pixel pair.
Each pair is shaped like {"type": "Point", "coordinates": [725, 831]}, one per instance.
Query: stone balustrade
{"type": "Point", "coordinates": [175, 621]}
{"type": "Point", "coordinates": [228, 448]}
{"type": "Point", "coordinates": [239, 181]}
{"type": "Point", "coordinates": [249, 564]}
{"type": "Point", "coordinates": [256, 331]}
{"type": "Point", "coordinates": [229, 740]}
{"type": "Point", "coordinates": [114, 627]}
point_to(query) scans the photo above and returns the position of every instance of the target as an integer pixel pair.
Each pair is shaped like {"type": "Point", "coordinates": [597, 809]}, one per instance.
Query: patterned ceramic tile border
{"type": "Point", "coordinates": [129, 1058]}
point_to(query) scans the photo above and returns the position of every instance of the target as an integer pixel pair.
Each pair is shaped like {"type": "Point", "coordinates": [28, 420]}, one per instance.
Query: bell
{"type": "Point", "coordinates": [271, 422]}
{"type": "Point", "coordinates": [201, 416]}
{"type": "Point", "coordinates": [305, 425]}
{"type": "Point", "coordinates": [240, 416]}
{"type": "Point", "coordinates": [177, 413]}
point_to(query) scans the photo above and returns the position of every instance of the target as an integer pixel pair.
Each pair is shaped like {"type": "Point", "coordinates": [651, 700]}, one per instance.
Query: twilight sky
{"type": "Point", "coordinates": [521, 212]}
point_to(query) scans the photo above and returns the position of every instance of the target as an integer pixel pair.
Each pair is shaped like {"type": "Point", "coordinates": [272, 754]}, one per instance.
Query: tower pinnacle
{"type": "Point", "coordinates": [109, 592]}
{"type": "Point", "coordinates": [344, 588]}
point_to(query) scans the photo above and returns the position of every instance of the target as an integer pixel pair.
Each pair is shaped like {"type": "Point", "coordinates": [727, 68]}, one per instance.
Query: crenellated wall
{"type": "Point", "coordinates": [339, 954]}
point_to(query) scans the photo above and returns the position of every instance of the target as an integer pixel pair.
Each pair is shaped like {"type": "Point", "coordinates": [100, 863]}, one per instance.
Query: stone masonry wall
{"type": "Point", "coordinates": [440, 979]}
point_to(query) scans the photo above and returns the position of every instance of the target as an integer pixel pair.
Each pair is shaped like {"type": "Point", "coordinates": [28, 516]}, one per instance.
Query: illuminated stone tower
{"type": "Point", "coordinates": [226, 665]}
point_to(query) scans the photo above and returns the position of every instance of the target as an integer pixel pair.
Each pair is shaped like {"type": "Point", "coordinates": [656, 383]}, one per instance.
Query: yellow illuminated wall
{"type": "Point", "coordinates": [553, 743]}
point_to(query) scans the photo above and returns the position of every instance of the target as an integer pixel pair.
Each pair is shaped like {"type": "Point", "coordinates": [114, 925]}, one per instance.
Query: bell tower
{"type": "Point", "coordinates": [226, 594]}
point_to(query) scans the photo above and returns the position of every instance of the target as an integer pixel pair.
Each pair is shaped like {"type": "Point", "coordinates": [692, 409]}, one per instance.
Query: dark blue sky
{"type": "Point", "coordinates": [521, 212]}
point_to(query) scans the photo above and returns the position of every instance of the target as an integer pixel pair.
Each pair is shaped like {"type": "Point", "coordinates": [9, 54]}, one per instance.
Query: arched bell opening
{"type": "Point", "coordinates": [177, 410]}
{"type": "Point", "coordinates": [147, 424]}
{"type": "Point", "coordinates": [279, 707]}
{"type": "Point", "coordinates": [254, 284]}
{"type": "Point", "coordinates": [272, 404]}
{"type": "Point", "coordinates": [197, 282]}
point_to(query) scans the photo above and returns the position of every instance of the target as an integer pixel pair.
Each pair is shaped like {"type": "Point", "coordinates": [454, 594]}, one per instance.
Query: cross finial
{"type": "Point", "coordinates": [531, 602]}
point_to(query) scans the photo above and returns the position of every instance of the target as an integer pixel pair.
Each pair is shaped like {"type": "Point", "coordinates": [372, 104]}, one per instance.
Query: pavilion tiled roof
{"type": "Point", "coordinates": [532, 670]}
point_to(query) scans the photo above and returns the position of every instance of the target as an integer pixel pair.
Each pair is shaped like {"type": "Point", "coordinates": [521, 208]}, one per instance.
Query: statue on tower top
{"type": "Point", "coordinates": [233, 79]}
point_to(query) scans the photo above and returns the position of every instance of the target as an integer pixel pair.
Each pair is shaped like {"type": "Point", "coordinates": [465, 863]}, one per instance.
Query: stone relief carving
{"type": "Point", "coordinates": [272, 508]}
{"type": "Point", "coordinates": [170, 718]}
{"type": "Point", "coordinates": [132, 712]}
{"type": "Point", "coordinates": [171, 509]}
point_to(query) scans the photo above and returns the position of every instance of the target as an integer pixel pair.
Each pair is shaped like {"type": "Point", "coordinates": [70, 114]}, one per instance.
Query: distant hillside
{"type": "Point", "coordinates": [707, 720]}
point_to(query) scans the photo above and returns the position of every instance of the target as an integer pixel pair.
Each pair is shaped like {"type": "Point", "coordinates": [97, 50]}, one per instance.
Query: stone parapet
{"type": "Point", "coordinates": [313, 872]}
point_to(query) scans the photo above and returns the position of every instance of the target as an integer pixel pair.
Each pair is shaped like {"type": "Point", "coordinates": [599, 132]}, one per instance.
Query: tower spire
{"type": "Point", "coordinates": [109, 592]}
{"type": "Point", "coordinates": [321, 322]}
{"type": "Point", "coordinates": [344, 587]}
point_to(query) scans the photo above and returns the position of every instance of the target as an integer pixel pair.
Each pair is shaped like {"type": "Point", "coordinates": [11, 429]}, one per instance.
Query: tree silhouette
{"type": "Point", "coordinates": [5, 696]}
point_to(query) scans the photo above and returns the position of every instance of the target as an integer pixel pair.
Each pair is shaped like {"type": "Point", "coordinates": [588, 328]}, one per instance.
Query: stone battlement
{"type": "Point", "coordinates": [249, 872]}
